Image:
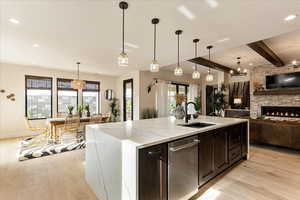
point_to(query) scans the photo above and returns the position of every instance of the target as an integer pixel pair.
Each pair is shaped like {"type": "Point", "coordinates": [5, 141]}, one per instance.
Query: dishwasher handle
{"type": "Point", "coordinates": [184, 146]}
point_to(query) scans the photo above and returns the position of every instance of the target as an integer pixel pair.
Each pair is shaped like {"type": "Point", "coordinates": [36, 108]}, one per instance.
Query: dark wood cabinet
{"type": "Point", "coordinates": [217, 150]}
{"type": "Point", "coordinates": [213, 154]}
{"type": "Point", "coordinates": [153, 173]}
{"type": "Point", "coordinates": [206, 157]}
{"type": "Point", "coordinates": [221, 161]}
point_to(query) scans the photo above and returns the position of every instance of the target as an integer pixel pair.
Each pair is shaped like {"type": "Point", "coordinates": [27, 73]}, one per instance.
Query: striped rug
{"type": "Point", "coordinates": [35, 149]}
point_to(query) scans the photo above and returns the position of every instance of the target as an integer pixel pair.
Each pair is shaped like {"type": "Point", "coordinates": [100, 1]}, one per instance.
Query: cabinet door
{"type": "Point", "coordinates": [153, 173]}
{"type": "Point", "coordinates": [221, 161]}
{"type": "Point", "coordinates": [244, 139]}
{"type": "Point", "coordinates": [235, 136]}
{"type": "Point", "coordinates": [206, 157]}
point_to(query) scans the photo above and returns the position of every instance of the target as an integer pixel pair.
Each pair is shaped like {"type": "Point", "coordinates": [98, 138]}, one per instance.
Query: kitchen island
{"type": "Point", "coordinates": [163, 158]}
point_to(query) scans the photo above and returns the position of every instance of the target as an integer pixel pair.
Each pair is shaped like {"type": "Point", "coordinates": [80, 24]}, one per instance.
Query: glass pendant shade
{"type": "Point", "coordinates": [231, 72]}
{"type": "Point", "coordinates": [178, 71]}
{"type": "Point", "coordinates": [209, 77]}
{"type": "Point", "coordinates": [239, 69]}
{"type": "Point", "coordinates": [196, 74]}
{"type": "Point", "coordinates": [154, 66]}
{"type": "Point", "coordinates": [78, 84]}
{"type": "Point", "coordinates": [245, 71]}
{"type": "Point", "coordinates": [123, 60]}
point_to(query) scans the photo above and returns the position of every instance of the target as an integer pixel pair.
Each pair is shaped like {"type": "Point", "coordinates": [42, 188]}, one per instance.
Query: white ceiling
{"type": "Point", "coordinates": [286, 46]}
{"type": "Point", "coordinates": [90, 30]}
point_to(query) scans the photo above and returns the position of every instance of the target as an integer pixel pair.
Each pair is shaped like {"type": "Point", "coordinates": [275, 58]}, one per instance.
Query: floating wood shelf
{"type": "Point", "coordinates": [277, 92]}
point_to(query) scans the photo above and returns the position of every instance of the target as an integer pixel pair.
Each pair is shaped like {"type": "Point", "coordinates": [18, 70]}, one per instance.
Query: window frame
{"type": "Point", "coordinates": [64, 89]}
{"type": "Point", "coordinates": [51, 89]}
{"type": "Point", "coordinates": [181, 84]}
{"type": "Point", "coordinates": [91, 90]}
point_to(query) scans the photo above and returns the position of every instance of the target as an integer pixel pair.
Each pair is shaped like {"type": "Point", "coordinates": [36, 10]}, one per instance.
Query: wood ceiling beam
{"type": "Point", "coordinates": [210, 64]}
{"type": "Point", "coordinates": [262, 49]}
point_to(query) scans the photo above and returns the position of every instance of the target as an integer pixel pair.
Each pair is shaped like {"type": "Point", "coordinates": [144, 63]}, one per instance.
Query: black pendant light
{"type": "Point", "coordinates": [196, 74]}
{"type": "Point", "coordinates": [123, 58]}
{"type": "Point", "coordinates": [209, 76]}
{"type": "Point", "coordinates": [178, 70]}
{"type": "Point", "coordinates": [239, 71]}
{"type": "Point", "coordinates": [154, 66]}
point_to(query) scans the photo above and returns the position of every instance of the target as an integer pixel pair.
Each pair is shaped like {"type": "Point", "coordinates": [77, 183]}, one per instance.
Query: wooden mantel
{"type": "Point", "coordinates": [277, 92]}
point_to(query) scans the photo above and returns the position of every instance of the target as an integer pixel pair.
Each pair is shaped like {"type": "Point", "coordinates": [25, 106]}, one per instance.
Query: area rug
{"type": "Point", "coordinates": [38, 146]}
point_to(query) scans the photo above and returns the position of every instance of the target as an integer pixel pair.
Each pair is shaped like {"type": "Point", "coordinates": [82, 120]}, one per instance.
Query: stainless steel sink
{"type": "Point", "coordinates": [197, 125]}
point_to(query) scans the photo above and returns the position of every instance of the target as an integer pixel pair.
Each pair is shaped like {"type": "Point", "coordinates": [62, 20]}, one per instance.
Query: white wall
{"type": "Point", "coordinates": [147, 100]}
{"type": "Point", "coordinates": [12, 80]}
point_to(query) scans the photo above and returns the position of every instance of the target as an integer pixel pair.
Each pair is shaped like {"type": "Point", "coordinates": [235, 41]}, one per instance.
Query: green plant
{"type": "Point", "coordinates": [70, 109]}
{"type": "Point", "coordinates": [87, 108]}
{"type": "Point", "coordinates": [198, 104]}
{"type": "Point", "coordinates": [149, 113]}
{"type": "Point", "coordinates": [115, 110]}
{"type": "Point", "coordinates": [80, 108]}
{"type": "Point", "coordinates": [219, 102]}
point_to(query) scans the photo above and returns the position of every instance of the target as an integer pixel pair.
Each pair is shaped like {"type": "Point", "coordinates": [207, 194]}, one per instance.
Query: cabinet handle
{"type": "Point", "coordinates": [154, 153]}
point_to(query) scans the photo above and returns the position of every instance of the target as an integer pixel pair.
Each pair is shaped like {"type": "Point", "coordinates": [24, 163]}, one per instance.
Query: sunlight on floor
{"type": "Point", "coordinates": [210, 194]}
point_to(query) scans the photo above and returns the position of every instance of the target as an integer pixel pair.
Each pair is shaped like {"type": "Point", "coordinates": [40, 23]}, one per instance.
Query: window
{"type": "Point", "coordinates": [66, 95]}
{"type": "Point", "coordinates": [173, 90]}
{"type": "Point", "coordinates": [38, 97]}
{"type": "Point", "coordinates": [90, 96]}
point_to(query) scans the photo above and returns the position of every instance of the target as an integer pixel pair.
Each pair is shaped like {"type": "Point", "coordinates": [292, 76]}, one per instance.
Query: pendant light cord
{"type": "Point", "coordinates": [209, 60]}
{"type": "Point", "coordinates": [196, 55]}
{"type": "Point", "coordinates": [123, 31]}
{"type": "Point", "coordinates": [154, 57]}
{"type": "Point", "coordinates": [77, 71]}
{"type": "Point", "coordinates": [178, 51]}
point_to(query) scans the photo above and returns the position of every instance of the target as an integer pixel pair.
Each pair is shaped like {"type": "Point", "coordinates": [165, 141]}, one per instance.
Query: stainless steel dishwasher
{"type": "Point", "coordinates": [183, 168]}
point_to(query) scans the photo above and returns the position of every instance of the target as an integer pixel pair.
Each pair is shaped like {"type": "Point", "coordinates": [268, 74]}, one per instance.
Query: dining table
{"type": "Point", "coordinates": [54, 123]}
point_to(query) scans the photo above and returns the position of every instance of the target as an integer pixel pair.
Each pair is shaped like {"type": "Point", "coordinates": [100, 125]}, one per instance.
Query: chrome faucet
{"type": "Point", "coordinates": [186, 111]}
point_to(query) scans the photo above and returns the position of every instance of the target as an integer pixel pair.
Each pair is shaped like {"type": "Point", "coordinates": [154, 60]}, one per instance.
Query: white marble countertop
{"type": "Point", "coordinates": [144, 133]}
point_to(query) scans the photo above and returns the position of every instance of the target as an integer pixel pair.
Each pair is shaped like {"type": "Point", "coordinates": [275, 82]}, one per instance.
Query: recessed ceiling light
{"type": "Point", "coordinates": [14, 21]}
{"type": "Point", "coordinates": [250, 64]}
{"type": "Point", "coordinates": [35, 45]}
{"type": "Point", "coordinates": [186, 12]}
{"type": "Point", "coordinates": [290, 17]}
{"type": "Point", "coordinates": [223, 40]}
{"type": "Point", "coordinates": [212, 3]}
{"type": "Point", "coordinates": [131, 45]}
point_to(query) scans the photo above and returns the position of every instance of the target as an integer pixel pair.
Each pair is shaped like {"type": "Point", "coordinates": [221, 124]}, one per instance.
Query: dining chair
{"type": "Point", "coordinates": [41, 134]}
{"type": "Point", "coordinates": [96, 119]}
{"type": "Point", "coordinates": [71, 129]}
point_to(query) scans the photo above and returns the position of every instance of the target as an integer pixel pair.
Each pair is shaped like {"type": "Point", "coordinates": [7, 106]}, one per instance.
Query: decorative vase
{"type": "Point", "coordinates": [88, 114]}
{"type": "Point", "coordinates": [80, 114]}
{"type": "Point", "coordinates": [179, 112]}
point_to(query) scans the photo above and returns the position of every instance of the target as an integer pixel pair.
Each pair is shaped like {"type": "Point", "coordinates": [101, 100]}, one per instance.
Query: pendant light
{"type": "Point", "coordinates": [239, 71]}
{"type": "Point", "coordinates": [178, 70]}
{"type": "Point", "coordinates": [196, 74]}
{"type": "Point", "coordinates": [154, 66]}
{"type": "Point", "coordinates": [209, 76]}
{"type": "Point", "coordinates": [123, 58]}
{"type": "Point", "coordinates": [78, 84]}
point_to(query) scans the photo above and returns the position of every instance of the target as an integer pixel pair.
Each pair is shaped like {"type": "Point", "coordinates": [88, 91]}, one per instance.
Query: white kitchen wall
{"type": "Point", "coordinates": [12, 79]}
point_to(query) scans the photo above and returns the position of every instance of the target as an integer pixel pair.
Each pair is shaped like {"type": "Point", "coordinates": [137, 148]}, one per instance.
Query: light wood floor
{"type": "Point", "coordinates": [269, 175]}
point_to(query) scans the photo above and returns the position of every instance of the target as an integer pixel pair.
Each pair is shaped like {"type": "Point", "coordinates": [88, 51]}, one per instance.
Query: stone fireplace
{"type": "Point", "coordinates": [258, 74]}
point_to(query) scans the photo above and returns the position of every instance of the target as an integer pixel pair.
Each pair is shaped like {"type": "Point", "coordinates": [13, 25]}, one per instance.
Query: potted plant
{"type": "Point", "coordinates": [70, 109]}
{"type": "Point", "coordinates": [179, 110]}
{"type": "Point", "coordinates": [79, 110]}
{"type": "Point", "coordinates": [219, 101]}
{"type": "Point", "coordinates": [87, 108]}
{"type": "Point", "coordinates": [149, 113]}
{"type": "Point", "coordinates": [115, 110]}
